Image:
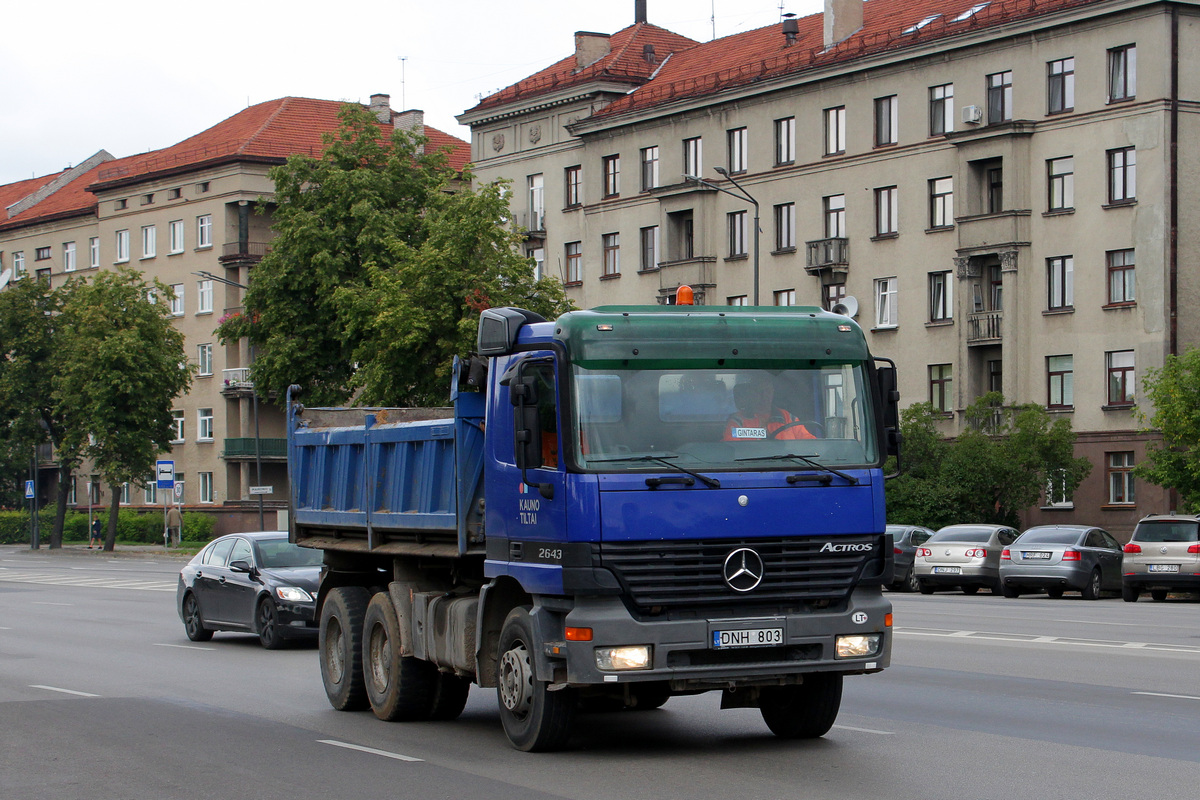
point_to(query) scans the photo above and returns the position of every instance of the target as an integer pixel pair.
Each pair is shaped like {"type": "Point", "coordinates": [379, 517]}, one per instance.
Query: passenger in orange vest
{"type": "Point", "coordinates": [758, 417]}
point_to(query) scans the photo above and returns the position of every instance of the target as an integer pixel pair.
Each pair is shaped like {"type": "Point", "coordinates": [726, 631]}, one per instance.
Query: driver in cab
{"type": "Point", "coordinates": [758, 417]}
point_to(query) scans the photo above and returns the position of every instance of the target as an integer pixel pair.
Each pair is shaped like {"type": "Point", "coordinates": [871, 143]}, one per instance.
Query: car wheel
{"type": "Point", "coordinates": [911, 584]}
{"type": "Point", "coordinates": [266, 618]}
{"type": "Point", "coordinates": [193, 622]}
{"type": "Point", "coordinates": [1054, 592]}
{"type": "Point", "coordinates": [970, 590]}
{"type": "Point", "coordinates": [340, 647]}
{"type": "Point", "coordinates": [449, 696]}
{"type": "Point", "coordinates": [1158, 595]}
{"type": "Point", "coordinates": [924, 588]}
{"type": "Point", "coordinates": [534, 719]}
{"type": "Point", "coordinates": [805, 711]}
{"type": "Point", "coordinates": [1092, 590]}
{"type": "Point", "coordinates": [1011, 592]}
{"type": "Point", "coordinates": [398, 687]}
{"type": "Point", "coordinates": [1130, 593]}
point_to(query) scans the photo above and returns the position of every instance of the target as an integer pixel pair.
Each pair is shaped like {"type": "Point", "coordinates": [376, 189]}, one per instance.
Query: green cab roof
{"type": "Point", "coordinates": [706, 337]}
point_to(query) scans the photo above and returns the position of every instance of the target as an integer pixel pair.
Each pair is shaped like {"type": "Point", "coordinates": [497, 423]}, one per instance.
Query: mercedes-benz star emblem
{"type": "Point", "coordinates": [743, 569]}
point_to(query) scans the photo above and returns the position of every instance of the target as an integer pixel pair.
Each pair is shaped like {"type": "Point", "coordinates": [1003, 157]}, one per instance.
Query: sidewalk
{"type": "Point", "coordinates": [119, 550]}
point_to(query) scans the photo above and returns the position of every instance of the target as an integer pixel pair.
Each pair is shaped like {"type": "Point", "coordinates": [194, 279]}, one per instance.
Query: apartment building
{"type": "Point", "coordinates": [993, 189]}
{"type": "Point", "coordinates": [196, 216]}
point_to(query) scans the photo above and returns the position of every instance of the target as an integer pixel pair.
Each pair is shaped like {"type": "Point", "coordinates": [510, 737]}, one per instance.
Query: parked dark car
{"type": "Point", "coordinates": [251, 582]}
{"type": "Point", "coordinates": [1058, 558]}
{"type": "Point", "coordinates": [905, 539]}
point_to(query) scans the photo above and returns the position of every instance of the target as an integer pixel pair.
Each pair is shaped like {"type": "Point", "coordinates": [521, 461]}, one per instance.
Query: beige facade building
{"type": "Point", "coordinates": [1000, 189]}
{"type": "Point", "coordinates": [189, 216]}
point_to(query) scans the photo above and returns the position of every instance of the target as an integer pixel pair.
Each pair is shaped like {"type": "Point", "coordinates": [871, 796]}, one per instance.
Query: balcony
{"type": "Point", "coordinates": [828, 255]}
{"type": "Point", "coordinates": [236, 382]}
{"type": "Point", "coordinates": [984, 327]}
{"type": "Point", "coordinates": [238, 253]}
{"type": "Point", "coordinates": [243, 449]}
{"type": "Point", "coordinates": [1002, 230]}
{"type": "Point", "coordinates": [696, 272]}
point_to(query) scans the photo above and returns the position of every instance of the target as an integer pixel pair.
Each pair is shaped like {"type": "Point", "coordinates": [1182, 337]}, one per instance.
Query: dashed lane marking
{"type": "Point", "coordinates": [371, 750]}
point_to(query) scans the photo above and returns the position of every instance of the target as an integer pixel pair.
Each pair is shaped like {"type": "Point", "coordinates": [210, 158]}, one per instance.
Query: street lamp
{"type": "Point", "coordinates": [745, 195]}
{"type": "Point", "coordinates": [257, 442]}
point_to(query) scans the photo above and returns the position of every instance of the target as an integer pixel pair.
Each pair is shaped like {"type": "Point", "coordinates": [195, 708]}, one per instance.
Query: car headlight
{"type": "Point", "coordinates": [858, 646]}
{"type": "Point", "coordinates": [293, 594]}
{"type": "Point", "coordinates": [619, 658]}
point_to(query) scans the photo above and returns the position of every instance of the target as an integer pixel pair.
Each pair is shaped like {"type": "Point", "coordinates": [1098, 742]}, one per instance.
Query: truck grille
{"type": "Point", "coordinates": [667, 575]}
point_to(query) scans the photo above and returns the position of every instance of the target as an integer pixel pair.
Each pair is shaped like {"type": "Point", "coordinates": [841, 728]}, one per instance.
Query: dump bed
{"type": "Point", "coordinates": [394, 481]}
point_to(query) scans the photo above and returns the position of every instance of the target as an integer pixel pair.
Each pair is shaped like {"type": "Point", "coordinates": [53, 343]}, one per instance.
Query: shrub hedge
{"type": "Point", "coordinates": [133, 527]}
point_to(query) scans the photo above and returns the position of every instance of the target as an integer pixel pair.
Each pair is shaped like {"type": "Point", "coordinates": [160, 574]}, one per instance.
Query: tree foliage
{"type": "Point", "coordinates": [378, 271]}
{"type": "Point", "coordinates": [1174, 395]}
{"type": "Point", "coordinates": [998, 466]}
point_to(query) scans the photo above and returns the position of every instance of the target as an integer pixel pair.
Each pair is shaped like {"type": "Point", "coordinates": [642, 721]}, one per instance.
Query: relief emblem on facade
{"type": "Point", "coordinates": [498, 142]}
{"type": "Point", "coordinates": [535, 134]}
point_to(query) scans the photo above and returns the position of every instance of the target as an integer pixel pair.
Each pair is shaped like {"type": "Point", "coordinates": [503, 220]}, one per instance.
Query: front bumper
{"type": "Point", "coordinates": [297, 620]}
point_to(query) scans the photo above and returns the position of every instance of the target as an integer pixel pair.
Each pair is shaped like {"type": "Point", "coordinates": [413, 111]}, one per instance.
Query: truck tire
{"type": "Point", "coordinates": [399, 688]}
{"type": "Point", "coordinates": [449, 696]}
{"type": "Point", "coordinates": [534, 719]}
{"type": "Point", "coordinates": [806, 711]}
{"type": "Point", "coordinates": [340, 647]}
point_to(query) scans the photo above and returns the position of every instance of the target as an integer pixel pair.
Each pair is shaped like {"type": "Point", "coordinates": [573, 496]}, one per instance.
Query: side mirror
{"type": "Point", "coordinates": [240, 566]}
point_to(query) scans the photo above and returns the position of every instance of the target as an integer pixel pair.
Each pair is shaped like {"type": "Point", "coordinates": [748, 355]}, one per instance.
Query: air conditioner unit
{"type": "Point", "coordinates": [972, 115]}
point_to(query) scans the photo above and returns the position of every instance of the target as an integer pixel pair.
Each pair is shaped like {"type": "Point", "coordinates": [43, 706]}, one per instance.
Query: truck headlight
{"type": "Point", "coordinates": [619, 658]}
{"type": "Point", "coordinates": [858, 645]}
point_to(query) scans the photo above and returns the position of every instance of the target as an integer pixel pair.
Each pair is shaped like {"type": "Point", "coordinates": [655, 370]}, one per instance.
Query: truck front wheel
{"type": "Point", "coordinates": [398, 687]}
{"type": "Point", "coordinates": [806, 711]}
{"type": "Point", "coordinates": [535, 720]}
{"type": "Point", "coordinates": [340, 646]}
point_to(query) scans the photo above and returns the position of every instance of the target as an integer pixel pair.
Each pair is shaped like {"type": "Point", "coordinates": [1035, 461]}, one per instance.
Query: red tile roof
{"type": "Point", "coordinates": [71, 200]}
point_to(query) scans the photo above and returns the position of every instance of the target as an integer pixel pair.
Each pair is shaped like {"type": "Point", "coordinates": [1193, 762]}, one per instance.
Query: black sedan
{"type": "Point", "coordinates": [905, 539]}
{"type": "Point", "coordinates": [252, 582]}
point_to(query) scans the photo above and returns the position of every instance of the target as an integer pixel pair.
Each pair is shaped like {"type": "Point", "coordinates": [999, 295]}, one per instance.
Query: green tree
{"type": "Point", "coordinates": [378, 271]}
{"type": "Point", "coordinates": [124, 364]}
{"type": "Point", "coordinates": [1174, 395]}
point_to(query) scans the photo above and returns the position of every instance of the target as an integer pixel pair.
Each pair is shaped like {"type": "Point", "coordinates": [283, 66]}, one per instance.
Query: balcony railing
{"type": "Point", "coordinates": [244, 251]}
{"type": "Point", "coordinates": [243, 448]}
{"type": "Point", "coordinates": [237, 378]}
{"type": "Point", "coordinates": [984, 327]}
{"type": "Point", "coordinates": [828, 254]}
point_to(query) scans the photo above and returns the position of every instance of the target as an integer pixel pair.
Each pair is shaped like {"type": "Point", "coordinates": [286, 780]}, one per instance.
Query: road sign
{"type": "Point", "coordinates": [29, 490]}
{"type": "Point", "coordinates": [178, 490]}
{"type": "Point", "coordinates": [165, 472]}
{"type": "Point", "coordinates": [262, 490]}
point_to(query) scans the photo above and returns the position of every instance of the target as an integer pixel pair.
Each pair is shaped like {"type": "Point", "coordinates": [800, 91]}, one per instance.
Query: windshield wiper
{"type": "Point", "coordinates": [710, 482]}
{"type": "Point", "coordinates": [810, 461]}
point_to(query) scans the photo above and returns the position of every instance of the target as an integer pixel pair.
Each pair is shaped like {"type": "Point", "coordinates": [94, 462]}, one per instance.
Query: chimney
{"type": "Point", "coordinates": [639, 11]}
{"type": "Point", "coordinates": [843, 18]}
{"type": "Point", "coordinates": [589, 48]}
{"type": "Point", "coordinates": [411, 120]}
{"type": "Point", "coordinates": [648, 53]}
{"type": "Point", "coordinates": [791, 28]}
{"type": "Point", "coordinates": [381, 107]}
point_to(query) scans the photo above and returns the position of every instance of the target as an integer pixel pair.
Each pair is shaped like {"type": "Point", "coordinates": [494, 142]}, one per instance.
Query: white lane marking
{"type": "Point", "coordinates": [39, 603]}
{"type": "Point", "coordinates": [183, 646]}
{"type": "Point", "coordinates": [49, 579]}
{"type": "Point", "coordinates": [1172, 696]}
{"type": "Point", "coordinates": [371, 750]}
{"type": "Point", "coordinates": [1026, 638]}
{"type": "Point", "coordinates": [865, 730]}
{"type": "Point", "coordinates": [64, 691]}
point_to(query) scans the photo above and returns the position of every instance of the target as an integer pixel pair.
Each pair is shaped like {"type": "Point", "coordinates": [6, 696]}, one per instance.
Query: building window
{"type": "Point", "coordinates": [692, 157]}
{"type": "Point", "coordinates": [739, 149]}
{"type": "Point", "coordinates": [1119, 467]}
{"type": "Point", "coordinates": [41, 254]}
{"type": "Point", "coordinates": [1056, 491]}
{"type": "Point", "coordinates": [94, 252]}
{"type": "Point", "coordinates": [175, 236]}
{"type": "Point", "coordinates": [202, 188]}
{"type": "Point", "coordinates": [1122, 175]}
{"type": "Point", "coordinates": [785, 227]}
{"type": "Point", "coordinates": [149, 241]}
{"type": "Point", "coordinates": [1121, 283]}
{"type": "Point", "coordinates": [174, 194]}
{"type": "Point", "coordinates": [537, 202]}
{"type": "Point", "coordinates": [205, 306]}
{"type": "Point", "coordinates": [785, 297]}
{"type": "Point", "coordinates": [994, 188]}
{"type": "Point", "coordinates": [649, 168]}
{"type": "Point", "coordinates": [1060, 282]}
{"type": "Point", "coordinates": [125, 493]}
{"type": "Point", "coordinates": [177, 425]}
{"type": "Point", "coordinates": [887, 211]}
{"type": "Point", "coordinates": [887, 120]}
{"type": "Point", "coordinates": [122, 246]}
{"type": "Point", "coordinates": [574, 262]}
{"type": "Point", "coordinates": [941, 301]}
{"type": "Point", "coordinates": [886, 313]}
{"type": "Point", "coordinates": [941, 109]}
{"type": "Point", "coordinates": [538, 256]}
{"type": "Point", "coordinates": [832, 294]}
{"type": "Point", "coordinates": [737, 300]}
{"type": "Point", "coordinates": [72, 498]}
{"type": "Point", "coordinates": [612, 254]}
{"type": "Point", "coordinates": [682, 230]}
{"type": "Point", "coordinates": [1122, 73]}
{"type": "Point", "coordinates": [612, 176]}
{"type": "Point", "coordinates": [204, 231]}
{"type": "Point", "coordinates": [1060, 177]}
{"type": "Point", "coordinates": [121, 205]}
{"type": "Point", "coordinates": [1120, 377]}
{"type": "Point", "coordinates": [649, 239]}
{"type": "Point", "coordinates": [574, 186]}
{"type": "Point", "coordinates": [206, 487]}
{"type": "Point", "coordinates": [999, 95]}
{"type": "Point", "coordinates": [152, 490]}
{"type": "Point", "coordinates": [737, 233]}
{"type": "Point", "coordinates": [1060, 86]}
{"type": "Point", "coordinates": [835, 131]}
{"type": "Point", "coordinates": [941, 387]}
{"type": "Point", "coordinates": [68, 256]}
{"type": "Point", "coordinates": [834, 207]}
{"type": "Point", "coordinates": [204, 431]}
{"type": "Point", "coordinates": [785, 141]}
{"type": "Point", "coordinates": [18, 265]}
{"type": "Point", "coordinates": [176, 299]}
{"type": "Point", "coordinates": [204, 359]}
{"type": "Point", "coordinates": [941, 202]}
{"type": "Point", "coordinates": [1060, 381]}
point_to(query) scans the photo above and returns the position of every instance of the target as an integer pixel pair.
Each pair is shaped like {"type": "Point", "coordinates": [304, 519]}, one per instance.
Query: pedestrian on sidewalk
{"type": "Point", "coordinates": [174, 526]}
{"type": "Point", "coordinates": [97, 534]}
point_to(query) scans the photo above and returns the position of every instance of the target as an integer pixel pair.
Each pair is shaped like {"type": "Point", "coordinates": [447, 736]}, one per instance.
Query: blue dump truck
{"type": "Point", "coordinates": [622, 505]}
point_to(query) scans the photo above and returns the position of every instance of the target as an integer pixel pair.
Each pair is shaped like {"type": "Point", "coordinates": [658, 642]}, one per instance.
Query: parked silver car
{"type": "Point", "coordinates": [905, 539]}
{"type": "Point", "coordinates": [1163, 555]}
{"type": "Point", "coordinates": [963, 556]}
{"type": "Point", "coordinates": [1058, 558]}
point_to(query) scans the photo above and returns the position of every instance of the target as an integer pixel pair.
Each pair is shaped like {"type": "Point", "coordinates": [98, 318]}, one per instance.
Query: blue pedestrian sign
{"type": "Point", "coordinates": [165, 472]}
{"type": "Point", "coordinates": [28, 490]}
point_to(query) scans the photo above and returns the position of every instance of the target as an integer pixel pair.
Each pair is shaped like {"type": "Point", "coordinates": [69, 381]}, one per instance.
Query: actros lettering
{"type": "Point", "coordinates": [830, 547]}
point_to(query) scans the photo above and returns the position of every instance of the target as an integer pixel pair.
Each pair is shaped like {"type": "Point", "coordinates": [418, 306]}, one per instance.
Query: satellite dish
{"type": "Point", "coordinates": [5, 277]}
{"type": "Point", "coordinates": [848, 307]}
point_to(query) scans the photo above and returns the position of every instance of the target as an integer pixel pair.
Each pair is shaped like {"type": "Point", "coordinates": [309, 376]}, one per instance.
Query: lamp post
{"type": "Point", "coordinates": [745, 195]}
{"type": "Point", "coordinates": [254, 389]}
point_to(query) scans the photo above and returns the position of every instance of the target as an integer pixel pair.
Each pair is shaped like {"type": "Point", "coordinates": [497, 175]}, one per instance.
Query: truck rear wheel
{"type": "Point", "coordinates": [399, 688]}
{"type": "Point", "coordinates": [340, 646]}
{"type": "Point", "coordinates": [535, 720]}
{"type": "Point", "coordinates": [806, 711]}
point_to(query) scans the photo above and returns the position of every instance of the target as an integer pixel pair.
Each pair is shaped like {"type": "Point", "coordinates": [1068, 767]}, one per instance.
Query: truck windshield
{"type": "Point", "coordinates": [723, 419]}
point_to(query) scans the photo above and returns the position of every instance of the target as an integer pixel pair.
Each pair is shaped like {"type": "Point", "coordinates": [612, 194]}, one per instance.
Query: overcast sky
{"type": "Point", "coordinates": [129, 76]}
